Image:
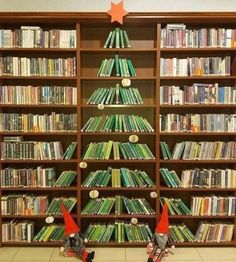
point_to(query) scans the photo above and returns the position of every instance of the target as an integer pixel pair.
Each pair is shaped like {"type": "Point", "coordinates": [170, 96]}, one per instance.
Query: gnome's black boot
{"type": "Point", "coordinates": [90, 256]}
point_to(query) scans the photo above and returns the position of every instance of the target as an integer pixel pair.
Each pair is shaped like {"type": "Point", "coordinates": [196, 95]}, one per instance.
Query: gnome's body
{"type": "Point", "coordinates": [157, 248]}
{"type": "Point", "coordinates": [74, 244]}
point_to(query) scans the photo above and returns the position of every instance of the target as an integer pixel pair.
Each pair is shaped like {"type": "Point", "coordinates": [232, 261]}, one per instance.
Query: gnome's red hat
{"type": "Point", "coordinates": [70, 226]}
{"type": "Point", "coordinates": [163, 225]}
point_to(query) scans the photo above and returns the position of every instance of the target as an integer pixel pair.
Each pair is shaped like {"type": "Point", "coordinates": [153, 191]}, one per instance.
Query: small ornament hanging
{"type": "Point", "coordinates": [133, 138]}
{"type": "Point", "coordinates": [134, 220]}
{"type": "Point", "coordinates": [153, 194]}
{"type": "Point", "coordinates": [93, 194]}
{"type": "Point", "coordinates": [49, 219]}
{"type": "Point", "coordinates": [83, 165]}
{"type": "Point", "coordinates": [126, 82]}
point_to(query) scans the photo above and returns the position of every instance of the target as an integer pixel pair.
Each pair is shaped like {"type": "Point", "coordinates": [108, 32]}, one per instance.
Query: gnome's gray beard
{"type": "Point", "coordinates": [161, 240]}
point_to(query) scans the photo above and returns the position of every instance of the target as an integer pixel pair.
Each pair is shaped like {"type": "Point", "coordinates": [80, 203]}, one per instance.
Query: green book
{"type": "Point", "coordinates": [117, 37]}
{"type": "Point", "coordinates": [112, 39]}
{"type": "Point", "coordinates": [70, 151]}
{"type": "Point", "coordinates": [108, 40]}
{"type": "Point", "coordinates": [126, 39]}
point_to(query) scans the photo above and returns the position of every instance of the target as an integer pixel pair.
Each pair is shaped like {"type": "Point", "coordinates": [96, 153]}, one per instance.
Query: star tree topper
{"type": "Point", "coordinates": [117, 12]}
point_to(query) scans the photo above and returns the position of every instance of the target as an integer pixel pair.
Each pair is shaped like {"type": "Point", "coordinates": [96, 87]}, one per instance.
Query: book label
{"type": "Point", "coordinates": [49, 219]}
{"type": "Point", "coordinates": [126, 82]}
{"type": "Point", "coordinates": [83, 165]}
{"type": "Point", "coordinates": [93, 194]}
{"type": "Point", "coordinates": [133, 139]}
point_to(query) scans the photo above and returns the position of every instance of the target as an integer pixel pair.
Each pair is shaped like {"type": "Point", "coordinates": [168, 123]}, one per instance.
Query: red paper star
{"type": "Point", "coordinates": [117, 12]}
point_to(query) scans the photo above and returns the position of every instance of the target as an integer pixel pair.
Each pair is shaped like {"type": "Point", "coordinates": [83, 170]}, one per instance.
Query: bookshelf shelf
{"type": "Point", "coordinates": [147, 56]}
{"type": "Point", "coordinates": [35, 216]}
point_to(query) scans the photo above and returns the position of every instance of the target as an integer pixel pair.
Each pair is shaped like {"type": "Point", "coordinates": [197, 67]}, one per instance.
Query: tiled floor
{"type": "Point", "coordinates": [119, 255]}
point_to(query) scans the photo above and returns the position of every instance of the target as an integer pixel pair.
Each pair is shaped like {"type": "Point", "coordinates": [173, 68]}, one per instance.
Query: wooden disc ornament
{"type": "Point", "coordinates": [83, 165]}
{"type": "Point", "coordinates": [133, 139]}
{"type": "Point", "coordinates": [49, 219]}
{"type": "Point", "coordinates": [126, 82]}
{"type": "Point", "coordinates": [134, 220]}
{"type": "Point", "coordinates": [93, 194]}
{"type": "Point", "coordinates": [101, 106]}
{"type": "Point", "coordinates": [153, 194]}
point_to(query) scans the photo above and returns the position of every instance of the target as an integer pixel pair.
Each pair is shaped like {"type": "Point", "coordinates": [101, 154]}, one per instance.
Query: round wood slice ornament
{"type": "Point", "coordinates": [49, 219]}
{"type": "Point", "coordinates": [133, 138]}
{"type": "Point", "coordinates": [93, 194]}
{"type": "Point", "coordinates": [83, 165]}
{"type": "Point", "coordinates": [134, 220]}
{"type": "Point", "coordinates": [126, 82]}
{"type": "Point", "coordinates": [101, 106]}
{"type": "Point", "coordinates": [153, 194]}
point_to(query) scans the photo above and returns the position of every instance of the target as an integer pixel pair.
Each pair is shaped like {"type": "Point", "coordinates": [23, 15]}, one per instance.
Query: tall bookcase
{"type": "Point", "coordinates": [144, 30]}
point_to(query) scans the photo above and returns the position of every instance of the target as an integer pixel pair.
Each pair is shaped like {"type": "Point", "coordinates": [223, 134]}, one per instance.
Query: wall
{"type": "Point", "coordinates": [104, 5]}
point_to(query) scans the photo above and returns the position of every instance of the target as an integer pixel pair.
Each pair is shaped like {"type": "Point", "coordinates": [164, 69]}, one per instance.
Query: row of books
{"type": "Point", "coordinates": [119, 232]}
{"type": "Point", "coordinates": [178, 36]}
{"type": "Point", "coordinates": [117, 38]}
{"type": "Point", "coordinates": [115, 95]}
{"type": "Point", "coordinates": [200, 178]}
{"type": "Point", "coordinates": [213, 206]}
{"type": "Point", "coordinates": [202, 206]}
{"type": "Point", "coordinates": [37, 66]}
{"type": "Point", "coordinates": [118, 205]}
{"type": "Point", "coordinates": [36, 177]}
{"type": "Point", "coordinates": [123, 67]}
{"type": "Point", "coordinates": [197, 94]}
{"type": "Point", "coordinates": [201, 150]}
{"type": "Point", "coordinates": [117, 123]}
{"type": "Point", "coordinates": [196, 66]}
{"type": "Point", "coordinates": [36, 37]}
{"type": "Point", "coordinates": [36, 150]}
{"type": "Point", "coordinates": [214, 232]}
{"type": "Point", "coordinates": [176, 206]}
{"type": "Point", "coordinates": [35, 95]}
{"type": "Point", "coordinates": [103, 151]}
{"type": "Point", "coordinates": [55, 122]}
{"type": "Point", "coordinates": [118, 178]}
{"type": "Point", "coordinates": [198, 123]}
{"type": "Point", "coordinates": [30, 205]}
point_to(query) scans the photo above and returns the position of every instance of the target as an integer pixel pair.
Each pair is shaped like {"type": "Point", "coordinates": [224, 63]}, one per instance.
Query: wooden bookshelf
{"type": "Point", "coordinates": [144, 30]}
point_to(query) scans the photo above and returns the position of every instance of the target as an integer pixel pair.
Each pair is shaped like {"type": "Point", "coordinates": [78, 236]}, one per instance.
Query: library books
{"type": "Point", "coordinates": [178, 36]}
{"type": "Point", "coordinates": [119, 232]}
{"type": "Point", "coordinates": [37, 66]}
{"type": "Point", "coordinates": [38, 177]}
{"type": "Point", "coordinates": [170, 177]}
{"type": "Point", "coordinates": [117, 38]}
{"type": "Point", "coordinates": [198, 123]}
{"type": "Point", "coordinates": [115, 95]}
{"type": "Point", "coordinates": [214, 232]}
{"type": "Point", "coordinates": [18, 231]}
{"type": "Point", "coordinates": [213, 205]}
{"type": "Point", "coordinates": [198, 93]}
{"type": "Point", "coordinates": [24, 204]}
{"type": "Point", "coordinates": [208, 178]}
{"type": "Point", "coordinates": [28, 177]}
{"type": "Point", "coordinates": [176, 206]}
{"type": "Point", "coordinates": [36, 95]}
{"type": "Point", "coordinates": [50, 233]}
{"type": "Point", "coordinates": [103, 151]}
{"type": "Point", "coordinates": [54, 207]}
{"type": "Point", "coordinates": [201, 150]}
{"type": "Point", "coordinates": [117, 204]}
{"type": "Point", "coordinates": [180, 233]}
{"type": "Point", "coordinates": [54, 122]}
{"type": "Point", "coordinates": [118, 177]}
{"type": "Point", "coordinates": [117, 123]}
{"type": "Point", "coordinates": [196, 66]}
{"type": "Point", "coordinates": [36, 150]}
{"type": "Point", "coordinates": [123, 67]}
{"type": "Point", "coordinates": [36, 37]}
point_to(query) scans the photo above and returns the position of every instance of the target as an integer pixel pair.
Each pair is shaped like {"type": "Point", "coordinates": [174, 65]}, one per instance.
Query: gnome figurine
{"type": "Point", "coordinates": [74, 240]}
{"type": "Point", "coordinates": [157, 248]}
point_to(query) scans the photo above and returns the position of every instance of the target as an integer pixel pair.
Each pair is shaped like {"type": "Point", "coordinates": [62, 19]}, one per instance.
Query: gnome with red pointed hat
{"type": "Point", "coordinates": [158, 247]}
{"type": "Point", "coordinates": [74, 240]}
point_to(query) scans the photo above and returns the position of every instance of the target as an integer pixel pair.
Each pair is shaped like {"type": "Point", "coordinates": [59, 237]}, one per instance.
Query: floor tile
{"type": "Point", "coordinates": [33, 254]}
{"type": "Point", "coordinates": [109, 254]}
{"type": "Point", "coordinates": [7, 253]}
{"type": "Point", "coordinates": [133, 253]}
{"type": "Point", "coordinates": [57, 256]}
{"type": "Point", "coordinates": [207, 253]}
{"type": "Point", "coordinates": [183, 254]}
